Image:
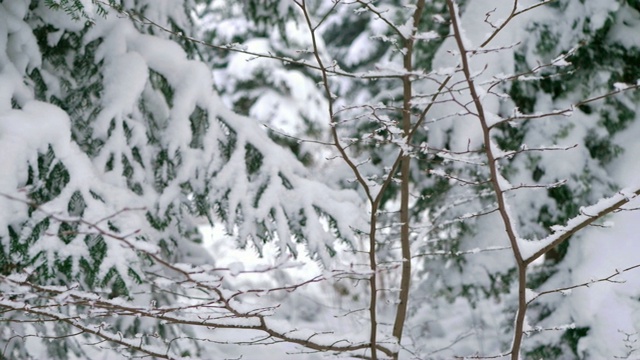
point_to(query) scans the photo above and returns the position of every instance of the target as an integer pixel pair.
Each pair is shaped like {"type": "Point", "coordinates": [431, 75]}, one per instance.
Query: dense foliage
{"type": "Point", "coordinates": [125, 126]}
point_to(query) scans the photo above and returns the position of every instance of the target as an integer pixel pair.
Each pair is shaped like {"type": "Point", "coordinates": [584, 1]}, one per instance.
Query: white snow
{"type": "Point", "coordinates": [126, 57]}
{"type": "Point", "coordinates": [530, 247]}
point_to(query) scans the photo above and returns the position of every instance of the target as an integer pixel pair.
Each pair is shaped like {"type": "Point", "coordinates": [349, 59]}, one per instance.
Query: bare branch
{"type": "Point", "coordinates": [566, 289]}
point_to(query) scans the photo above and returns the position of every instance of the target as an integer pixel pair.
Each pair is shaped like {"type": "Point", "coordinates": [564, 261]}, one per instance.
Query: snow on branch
{"type": "Point", "coordinates": [167, 137]}
{"type": "Point", "coordinates": [533, 249]}
{"type": "Point", "coordinates": [213, 306]}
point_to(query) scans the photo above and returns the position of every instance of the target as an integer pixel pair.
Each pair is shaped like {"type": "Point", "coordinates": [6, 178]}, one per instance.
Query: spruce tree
{"type": "Point", "coordinates": [114, 148]}
{"type": "Point", "coordinates": [603, 54]}
{"type": "Point", "coordinates": [573, 60]}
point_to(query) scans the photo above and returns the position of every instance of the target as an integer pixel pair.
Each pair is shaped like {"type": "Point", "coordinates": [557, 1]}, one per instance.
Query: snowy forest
{"type": "Point", "coordinates": [319, 179]}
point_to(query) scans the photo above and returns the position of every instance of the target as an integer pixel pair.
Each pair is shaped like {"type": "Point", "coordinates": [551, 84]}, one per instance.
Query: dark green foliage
{"type": "Point", "coordinates": [199, 124]}
{"type": "Point", "coordinates": [135, 152]}
{"type": "Point", "coordinates": [36, 232]}
{"type": "Point", "coordinates": [114, 281]}
{"type": "Point", "coordinates": [500, 284]}
{"type": "Point", "coordinates": [81, 87]}
{"type": "Point", "coordinates": [110, 163]}
{"type": "Point", "coordinates": [160, 83]}
{"type": "Point", "coordinates": [91, 267]}
{"type": "Point", "coordinates": [67, 232]}
{"type": "Point", "coordinates": [77, 205]}
{"type": "Point", "coordinates": [9, 262]}
{"type": "Point", "coordinates": [253, 159]}
{"type": "Point", "coordinates": [634, 4]}
{"type": "Point", "coordinates": [601, 148]}
{"type": "Point", "coordinates": [572, 336]}
{"type": "Point", "coordinates": [545, 352]}
{"type": "Point", "coordinates": [165, 169]}
{"type": "Point", "coordinates": [435, 194]}
{"type": "Point", "coordinates": [344, 36]}
{"type": "Point", "coordinates": [294, 145]}
{"type": "Point", "coordinates": [63, 268]}
{"type": "Point", "coordinates": [57, 180]}
{"type": "Point", "coordinates": [523, 93]}
{"type": "Point", "coordinates": [616, 115]}
{"type": "Point", "coordinates": [48, 180]}
{"type": "Point", "coordinates": [266, 15]}
{"type": "Point", "coordinates": [525, 101]}
{"type": "Point", "coordinates": [40, 88]}
{"type": "Point", "coordinates": [160, 221]}
{"type": "Point", "coordinates": [509, 137]}
{"type": "Point", "coordinates": [547, 40]}
{"type": "Point", "coordinates": [425, 50]}
{"type": "Point", "coordinates": [75, 9]}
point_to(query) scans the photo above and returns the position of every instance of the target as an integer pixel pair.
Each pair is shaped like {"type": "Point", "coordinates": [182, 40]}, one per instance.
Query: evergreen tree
{"type": "Point", "coordinates": [603, 54]}
{"type": "Point", "coordinates": [283, 95]}
{"type": "Point", "coordinates": [118, 146]}
{"type": "Point", "coordinates": [114, 145]}
{"type": "Point", "coordinates": [578, 62]}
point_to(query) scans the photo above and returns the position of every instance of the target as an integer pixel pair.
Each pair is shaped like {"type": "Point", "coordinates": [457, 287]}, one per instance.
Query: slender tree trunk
{"type": "Point", "coordinates": [405, 178]}
{"type": "Point", "coordinates": [373, 286]}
